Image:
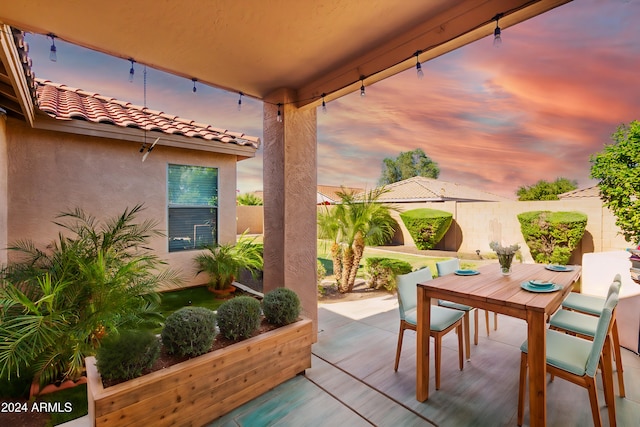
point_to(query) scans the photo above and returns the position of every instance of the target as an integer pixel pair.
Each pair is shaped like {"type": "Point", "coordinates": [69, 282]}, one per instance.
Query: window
{"type": "Point", "coordinates": [193, 207]}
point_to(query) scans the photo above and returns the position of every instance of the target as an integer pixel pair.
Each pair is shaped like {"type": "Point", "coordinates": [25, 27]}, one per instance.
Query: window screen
{"type": "Point", "coordinates": [193, 207]}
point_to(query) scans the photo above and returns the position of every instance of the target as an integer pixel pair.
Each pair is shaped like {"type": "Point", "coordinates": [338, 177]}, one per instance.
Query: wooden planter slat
{"type": "Point", "coordinates": [196, 394]}
{"type": "Point", "coordinates": [148, 387]}
{"type": "Point", "coordinates": [206, 387]}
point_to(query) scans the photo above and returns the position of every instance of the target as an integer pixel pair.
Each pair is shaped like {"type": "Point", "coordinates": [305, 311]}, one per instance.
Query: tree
{"type": "Point", "coordinates": [617, 167]}
{"type": "Point", "coordinates": [351, 225]}
{"type": "Point", "coordinates": [407, 165]}
{"type": "Point", "coordinates": [545, 190]}
{"type": "Point", "coordinates": [248, 199]}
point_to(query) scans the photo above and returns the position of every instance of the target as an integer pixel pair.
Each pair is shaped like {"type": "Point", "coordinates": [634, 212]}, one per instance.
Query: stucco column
{"type": "Point", "coordinates": [290, 186]}
{"type": "Point", "coordinates": [4, 188]}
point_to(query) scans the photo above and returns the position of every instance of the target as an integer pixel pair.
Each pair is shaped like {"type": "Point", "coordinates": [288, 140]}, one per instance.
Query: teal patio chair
{"type": "Point", "coordinates": [443, 320]}
{"type": "Point", "coordinates": [449, 267]}
{"type": "Point", "coordinates": [585, 325]}
{"type": "Point", "coordinates": [576, 360]}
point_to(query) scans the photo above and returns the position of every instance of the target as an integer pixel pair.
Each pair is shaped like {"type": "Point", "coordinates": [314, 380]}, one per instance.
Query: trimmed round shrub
{"type": "Point", "coordinates": [189, 331]}
{"type": "Point", "coordinates": [127, 355]}
{"type": "Point", "coordinates": [427, 226]}
{"type": "Point", "coordinates": [281, 306]}
{"type": "Point", "coordinates": [382, 272]}
{"type": "Point", "coordinates": [239, 318]}
{"type": "Point", "coordinates": [552, 236]}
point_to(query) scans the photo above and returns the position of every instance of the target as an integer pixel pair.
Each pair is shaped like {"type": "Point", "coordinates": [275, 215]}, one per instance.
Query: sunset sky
{"type": "Point", "coordinates": [494, 119]}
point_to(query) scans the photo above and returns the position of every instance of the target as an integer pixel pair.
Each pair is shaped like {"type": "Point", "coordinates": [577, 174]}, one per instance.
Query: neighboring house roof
{"type": "Point", "coordinates": [328, 194]}
{"type": "Point", "coordinates": [581, 193]}
{"type": "Point", "coordinates": [421, 189]}
{"type": "Point", "coordinates": [66, 103]}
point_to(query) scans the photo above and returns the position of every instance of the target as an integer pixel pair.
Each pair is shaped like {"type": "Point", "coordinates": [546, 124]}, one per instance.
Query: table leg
{"type": "Point", "coordinates": [537, 339]}
{"type": "Point", "coordinates": [422, 345]}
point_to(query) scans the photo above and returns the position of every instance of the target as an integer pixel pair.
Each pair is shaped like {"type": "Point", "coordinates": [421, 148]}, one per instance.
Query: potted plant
{"type": "Point", "coordinates": [223, 262]}
{"type": "Point", "coordinates": [206, 386]}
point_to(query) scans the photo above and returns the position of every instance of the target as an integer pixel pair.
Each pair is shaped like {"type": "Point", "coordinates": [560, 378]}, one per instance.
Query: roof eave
{"type": "Point", "coordinates": [102, 130]}
{"type": "Point", "coordinates": [11, 58]}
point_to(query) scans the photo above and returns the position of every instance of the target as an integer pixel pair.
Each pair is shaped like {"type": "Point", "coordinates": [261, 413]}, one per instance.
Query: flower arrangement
{"type": "Point", "coordinates": [505, 255]}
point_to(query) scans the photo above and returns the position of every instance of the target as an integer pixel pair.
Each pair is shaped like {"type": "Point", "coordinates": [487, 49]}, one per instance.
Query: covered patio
{"type": "Point", "coordinates": [352, 382]}
{"type": "Point", "coordinates": [295, 56]}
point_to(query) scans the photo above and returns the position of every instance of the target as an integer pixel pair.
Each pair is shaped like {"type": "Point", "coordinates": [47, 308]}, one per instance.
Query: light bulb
{"type": "Point", "coordinates": [419, 71]}
{"type": "Point", "coordinates": [279, 115]}
{"type": "Point", "coordinates": [53, 57]}
{"type": "Point", "coordinates": [362, 90]}
{"type": "Point", "coordinates": [131, 72]}
{"type": "Point", "coordinates": [324, 105]}
{"type": "Point", "coordinates": [240, 101]}
{"type": "Point", "coordinates": [497, 40]}
{"type": "Point", "coordinates": [194, 85]}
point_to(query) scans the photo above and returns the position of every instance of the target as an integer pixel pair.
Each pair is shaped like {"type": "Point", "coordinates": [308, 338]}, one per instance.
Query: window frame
{"type": "Point", "coordinates": [173, 208]}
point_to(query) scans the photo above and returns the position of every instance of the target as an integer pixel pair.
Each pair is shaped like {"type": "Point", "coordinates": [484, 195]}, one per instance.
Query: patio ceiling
{"type": "Point", "coordinates": [257, 47]}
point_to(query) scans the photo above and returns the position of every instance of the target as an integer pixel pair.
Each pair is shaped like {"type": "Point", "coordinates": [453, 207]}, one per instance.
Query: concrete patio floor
{"type": "Point", "coordinates": [352, 382]}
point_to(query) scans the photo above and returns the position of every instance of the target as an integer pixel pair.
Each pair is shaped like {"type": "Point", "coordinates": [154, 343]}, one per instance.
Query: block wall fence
{"type": "Point", "coordinates": [475, 224]}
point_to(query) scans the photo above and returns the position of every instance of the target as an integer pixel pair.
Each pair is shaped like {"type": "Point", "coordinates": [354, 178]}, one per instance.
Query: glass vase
{"type": "Point", "coordinates": [505, 264]}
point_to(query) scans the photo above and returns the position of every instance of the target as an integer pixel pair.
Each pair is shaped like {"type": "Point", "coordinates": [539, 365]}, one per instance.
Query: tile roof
{"type": "Point", "coordinates": [581, 193]}
{"type": "Point", "coordinates": [329, 193]}
{"type": "Point", "coordinates": [421, 189]}
{"type": "Point", "coordinates": [66, 103]}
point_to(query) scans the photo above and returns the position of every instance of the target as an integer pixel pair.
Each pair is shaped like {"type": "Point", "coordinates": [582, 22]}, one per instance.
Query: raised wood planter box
{"type": "Point", "coordinates": [199, 390]}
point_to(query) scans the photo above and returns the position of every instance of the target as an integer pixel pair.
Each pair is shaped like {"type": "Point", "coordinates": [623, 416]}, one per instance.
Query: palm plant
{"type": "Point", "coordinates": [351, 225]}
{"type": "Point", "coordinates": [60, 302]}
{"type": "Point", "coordinates": [223, 262]}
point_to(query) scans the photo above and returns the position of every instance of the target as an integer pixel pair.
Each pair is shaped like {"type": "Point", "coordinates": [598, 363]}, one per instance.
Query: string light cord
{"type": "Point", "coordinates": [361, 79]}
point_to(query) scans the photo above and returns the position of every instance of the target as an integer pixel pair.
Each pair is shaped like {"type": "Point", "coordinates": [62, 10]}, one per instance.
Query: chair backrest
{"type": "Point", "coordinates": [407, 291]}
{"type": "Point", "coordinates": [603, 329]}
{"type": "Point", "coordinates": [448, 266]}
{"type": "Point", "coordinates": [615, 286]}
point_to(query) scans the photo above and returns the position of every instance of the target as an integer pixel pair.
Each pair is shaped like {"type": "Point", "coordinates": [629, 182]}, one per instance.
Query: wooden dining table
{"type": "Point", "coordinates": [490, 290]}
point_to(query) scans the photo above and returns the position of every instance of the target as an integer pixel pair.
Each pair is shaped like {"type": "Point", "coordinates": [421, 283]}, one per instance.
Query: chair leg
{"type": "Point", "coordinates": [521, 387]}
{"type": "Point", "coordinates": [593, 400]}
{"type": "Point", "coordinates": [475, 331]}
{"type": "Point", "coordinates": [486, 318]}
{"type": "Point", "coordinates": [399, 348]}
{"type": "Point", "coordinates": [438, 345]}
{"type": "Point", "coordinates": [495, 321]}
{"type": "Point", "coordinates": [460, 346]}
{"type": "Point", "coordinates": [616, 350]}
{"type": "Point", "coordinates": [467, 334]}
{"type": "Point", "coordinates": [607, 381]}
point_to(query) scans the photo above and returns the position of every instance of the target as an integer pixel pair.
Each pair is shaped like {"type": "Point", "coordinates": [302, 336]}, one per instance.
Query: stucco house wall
{"type": "Point", "coordinates": [50, 172]}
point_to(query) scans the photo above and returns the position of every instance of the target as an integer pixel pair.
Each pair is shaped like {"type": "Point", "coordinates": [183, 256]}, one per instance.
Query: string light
{"type": "Point", "coordinates": [279, 115]}
{"type": "Point", "coordinates": [419, 71]}
{"type": "Point", "coordinates": [194, 80]}
{"type": "Point", "coordinates": [53, 56]}
{"type": "Point", "coordinates": [497, 39]}
{"type": "Point", "coordinates": [131, 70]}
{"type": "Point", "coordinates": [240, 100]}
{"type": "Point", "coordinates": [362, 90]}
{"type": "Point", "coordinates": [324, 104]}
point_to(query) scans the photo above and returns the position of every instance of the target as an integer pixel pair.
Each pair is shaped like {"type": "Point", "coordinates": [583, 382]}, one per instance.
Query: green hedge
{"type": "Point", "coordinates": [382, 272]}
{"type": "Point", "coordinates": [552, 236]}
{"type": "Point", "coordinates": [427, 226]}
